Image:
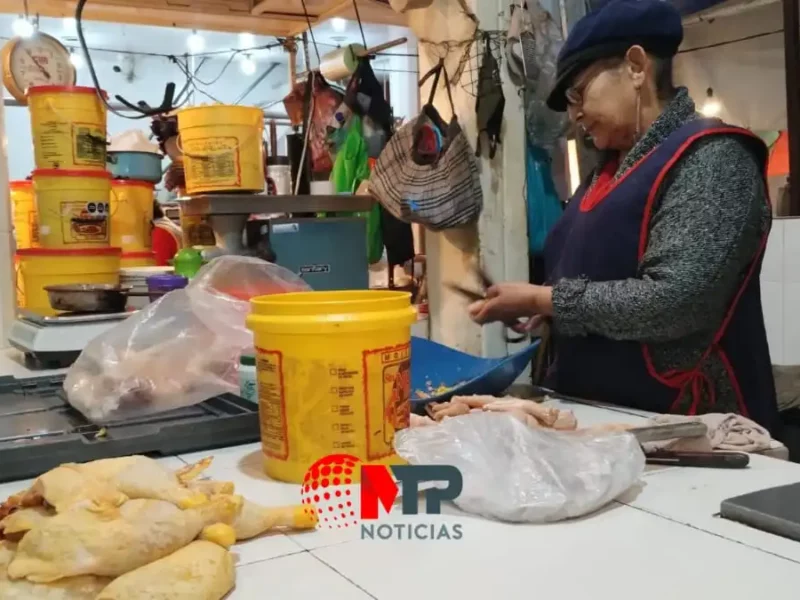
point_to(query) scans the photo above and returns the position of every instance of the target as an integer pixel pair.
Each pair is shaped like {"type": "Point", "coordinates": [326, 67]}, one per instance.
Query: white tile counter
{"type": "Point", "coordinates": [661, 541]}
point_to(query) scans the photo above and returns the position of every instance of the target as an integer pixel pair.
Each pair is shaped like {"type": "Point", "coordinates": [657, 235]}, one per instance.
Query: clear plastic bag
{"type": "Point", "coordinates": [178, 351]}
{"type": "Point", "coordinates": [514, 473]}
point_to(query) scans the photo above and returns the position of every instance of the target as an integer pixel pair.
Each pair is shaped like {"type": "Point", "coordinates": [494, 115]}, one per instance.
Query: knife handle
{"type": "Point", "coordinates": [709, 460]}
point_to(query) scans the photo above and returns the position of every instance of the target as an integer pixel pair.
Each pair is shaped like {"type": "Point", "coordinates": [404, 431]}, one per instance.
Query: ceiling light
{"type": "Point", "coordinates": [195, 43]}
{"type": "Point", "coordinates": [247, 65]}
{"type": "Point", "coordinates": [69, 25]}
{"type": "Point", "coordinates": [711, 107]}
{"type": "Point", "coordinates": [247, 40]}
{"type": "Point", "coordinates": [76, 58]}
{"type": "Point", "coordinates": [338, 24]}
{"type": "Point", "coordinates": [23, 27]}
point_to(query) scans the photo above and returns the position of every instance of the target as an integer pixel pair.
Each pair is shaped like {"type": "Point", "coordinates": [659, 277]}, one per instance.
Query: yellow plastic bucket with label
{"type": "Point", "coordinates": [68, 124]}
{"type": "Point", "coordinates": [72, 207]}
{"type": "Point", "coordinates": [144, 258]}
{"type": "Point", "coordinates": [131, 211]}
{"type": "Point", "coordinates": [333, 376]}
{"type": "Point", "coordinates": [40, 267]}
{"type": "Point", "coordinates": [23, 208]}
{"type": "Point", "coordinates": [222, 148]}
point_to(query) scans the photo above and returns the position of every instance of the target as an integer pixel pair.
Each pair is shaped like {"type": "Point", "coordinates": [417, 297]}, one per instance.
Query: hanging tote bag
{"type": "Point", "coordinates": [427, 173]}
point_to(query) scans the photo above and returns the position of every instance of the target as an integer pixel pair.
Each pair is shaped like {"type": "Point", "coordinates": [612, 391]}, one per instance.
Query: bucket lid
{"type": "Point", "coordinates": [72, 89]}
{"type": "Point", "coordinates": [166, 279]}
{"type": "Point", "coordinates": [22, 183]}
{"type": "Point", "coordinates": [133, 182]}
{"type": "Point", "coordinates": [105, 251]}
{"type": "Point", "coordinates": [71, 173]}
{"type": "Point", "coordinates": [330, 303]}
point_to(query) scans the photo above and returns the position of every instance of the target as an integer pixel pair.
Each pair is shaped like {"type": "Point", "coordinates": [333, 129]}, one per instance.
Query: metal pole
{"type": "Point", "coordinates": [791, 43]}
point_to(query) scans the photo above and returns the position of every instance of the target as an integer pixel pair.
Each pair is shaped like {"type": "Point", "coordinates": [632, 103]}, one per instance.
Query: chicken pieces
{"type": "Point", "coordinates": [529, 412]}
{"type": "Point", "coordinates": [114, 541]}
{"type": "Point", "coordinates": [199, 571]}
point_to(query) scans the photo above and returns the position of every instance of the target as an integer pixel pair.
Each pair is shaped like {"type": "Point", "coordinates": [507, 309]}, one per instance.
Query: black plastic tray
{"type": "Point", "coordinates": [39, 430]}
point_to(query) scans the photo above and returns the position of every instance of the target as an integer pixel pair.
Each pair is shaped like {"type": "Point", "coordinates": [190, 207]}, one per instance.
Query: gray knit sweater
{"type": "Point", "coordinates": [707, 223]}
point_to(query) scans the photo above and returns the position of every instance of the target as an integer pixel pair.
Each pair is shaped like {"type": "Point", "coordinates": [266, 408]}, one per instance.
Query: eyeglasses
{"type": "Point", "coordinates": [575, 93]}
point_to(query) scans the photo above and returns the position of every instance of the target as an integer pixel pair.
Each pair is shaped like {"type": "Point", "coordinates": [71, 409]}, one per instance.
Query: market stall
{"type": "Point", "coordinates": [258, 416]}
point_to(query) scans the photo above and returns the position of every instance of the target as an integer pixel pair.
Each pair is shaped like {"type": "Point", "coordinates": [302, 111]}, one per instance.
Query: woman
{"type": "Point", "coordinates": [653, 271]}
{"type": "Point", "coordinates": [167, 236]}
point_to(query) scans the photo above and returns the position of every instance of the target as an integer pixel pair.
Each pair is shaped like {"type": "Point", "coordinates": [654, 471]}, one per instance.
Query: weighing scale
{"type": "Point", "coordinates": [54, 342]}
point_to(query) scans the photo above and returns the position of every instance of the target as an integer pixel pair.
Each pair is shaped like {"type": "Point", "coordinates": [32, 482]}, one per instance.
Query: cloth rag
{"type": "Point", "coordinates": [729, 432]}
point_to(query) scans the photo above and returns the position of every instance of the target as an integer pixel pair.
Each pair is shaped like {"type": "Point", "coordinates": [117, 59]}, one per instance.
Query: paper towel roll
{"type": "Point", "coordinates": [341, 63]}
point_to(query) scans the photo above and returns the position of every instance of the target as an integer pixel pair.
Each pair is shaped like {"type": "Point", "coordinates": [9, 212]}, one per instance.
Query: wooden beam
{"type": "Point", "coordinates": [791, 43]}
{"type": "Point", "coordinates": [188, 18]}
{"type": "Point", "coordinates": [288, 7]}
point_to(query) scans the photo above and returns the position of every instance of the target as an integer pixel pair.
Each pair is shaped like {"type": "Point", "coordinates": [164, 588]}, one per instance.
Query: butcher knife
{"type": "Point", "coordinates": [658, 433]}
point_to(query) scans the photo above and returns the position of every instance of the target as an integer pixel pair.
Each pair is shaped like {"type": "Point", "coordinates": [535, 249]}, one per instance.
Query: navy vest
{"type": "Point", "coordinates": [606, 243]}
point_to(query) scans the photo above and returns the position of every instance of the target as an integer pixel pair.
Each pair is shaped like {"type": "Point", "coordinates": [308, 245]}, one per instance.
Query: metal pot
{"type": "Point", "coordinates": [90, 298]}
{"type": "Point", "coordinates": [143, 166]}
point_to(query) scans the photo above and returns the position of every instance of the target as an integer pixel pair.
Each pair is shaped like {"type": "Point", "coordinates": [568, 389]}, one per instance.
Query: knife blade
{"type": "Point", "coordinates": [657, 433]}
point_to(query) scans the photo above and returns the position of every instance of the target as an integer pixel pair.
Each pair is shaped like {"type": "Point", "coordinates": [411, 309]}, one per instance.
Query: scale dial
{"type": "Point", "coordinates": [38, 60]}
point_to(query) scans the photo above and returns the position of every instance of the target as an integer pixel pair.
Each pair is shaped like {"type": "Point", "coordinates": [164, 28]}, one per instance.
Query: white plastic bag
{"type": "Point", "coordinates": [178, 351]}
{"type": "Point", "coordinates": [514, 473]}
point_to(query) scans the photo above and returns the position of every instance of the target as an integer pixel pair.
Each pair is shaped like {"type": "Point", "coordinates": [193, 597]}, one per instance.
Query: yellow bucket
{"type": "Point", "coordinates": [40, 267]}
{"type": "Point", "coordinates": [333, 376]}
{"type": "Point", "coordinates": [222, 148]}
{"type": "Point", "coordinates": [72, 208]}
{"type": "Point", "coordinates": [131, 260]}
{"type": "Point", "coordinates": [20, 285]}
{"type": "Point", "coordinates": [197, 232]}
{"type": "Point", "coordinates": [68, 126]}
{"type": "Point", "coordinates": [131, 214]}
{"type": "Point", "coordinates": [23, 206]}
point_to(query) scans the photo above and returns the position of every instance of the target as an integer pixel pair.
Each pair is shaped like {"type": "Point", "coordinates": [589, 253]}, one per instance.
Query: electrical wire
{"type": "Point", "coordinates": [310, 31]}
{"type": "Point", "coordinates": [360, 25]}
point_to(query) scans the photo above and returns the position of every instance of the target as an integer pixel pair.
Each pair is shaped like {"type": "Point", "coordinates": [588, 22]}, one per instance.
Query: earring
{"type": "Point", "coordinates": [638, 113]}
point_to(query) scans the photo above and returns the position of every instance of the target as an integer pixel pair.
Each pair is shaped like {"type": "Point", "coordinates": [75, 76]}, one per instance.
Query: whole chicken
{"type": "Point", "coordinates": [199, 571]}
{"type": "Point", "coordinates": [113, 541]}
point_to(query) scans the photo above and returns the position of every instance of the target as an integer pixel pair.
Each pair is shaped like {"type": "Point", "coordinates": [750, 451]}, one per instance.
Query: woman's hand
{"type": "Point", "coordinates": [507, 302]}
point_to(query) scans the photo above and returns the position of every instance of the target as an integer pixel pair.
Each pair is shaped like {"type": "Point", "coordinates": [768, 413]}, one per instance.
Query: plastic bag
{"type": "Point", "coordinates": [178, 351]}
{"type": "Point", "coordinates": [514, 473]}
{"type": "Point", "coordinates": [544, 207]}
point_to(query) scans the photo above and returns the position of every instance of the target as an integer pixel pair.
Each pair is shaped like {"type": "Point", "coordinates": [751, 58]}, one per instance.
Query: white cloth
{"type": "Point", "coordinates": [729, 432]}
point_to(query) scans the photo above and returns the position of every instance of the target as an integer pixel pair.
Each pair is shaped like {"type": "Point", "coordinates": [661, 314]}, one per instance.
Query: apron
{"type": "Point", "coordinates": [603, 236]}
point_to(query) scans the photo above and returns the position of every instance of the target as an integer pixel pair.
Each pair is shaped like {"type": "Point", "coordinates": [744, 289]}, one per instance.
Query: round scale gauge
{"type": "Point", "coordinates": [38, 60]}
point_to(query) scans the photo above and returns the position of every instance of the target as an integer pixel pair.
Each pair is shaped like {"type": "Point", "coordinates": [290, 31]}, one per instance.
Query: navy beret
{"type": "Point", "coordinates": [609, 30]}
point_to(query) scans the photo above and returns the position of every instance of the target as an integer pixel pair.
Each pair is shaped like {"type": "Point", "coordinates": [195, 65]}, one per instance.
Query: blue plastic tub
{"type": "Point", "coordinates": [142, 166]}
{"type": "Point", "coordinates": [434, 365]}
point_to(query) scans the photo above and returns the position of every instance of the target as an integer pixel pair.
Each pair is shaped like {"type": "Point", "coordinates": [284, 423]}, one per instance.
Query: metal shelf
{"type": "Point", "coordinates": [246, 204]}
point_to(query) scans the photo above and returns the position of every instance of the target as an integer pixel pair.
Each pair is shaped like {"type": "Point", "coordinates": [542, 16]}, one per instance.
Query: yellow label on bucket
{"type": "Point", "coordinates": [272, 404]}
{"type": "Point", "coordinates": [388, 389]}
{"type": "Point", "coordinates": [213, 162]}
{"type": "Point", "coordinates": [33, 227]}
{"type": "Point", "coordinates": [84, 222]}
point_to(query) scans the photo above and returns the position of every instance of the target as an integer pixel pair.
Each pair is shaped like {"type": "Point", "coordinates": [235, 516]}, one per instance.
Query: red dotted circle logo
{"type": "Point", "coordinates": [329, 489]}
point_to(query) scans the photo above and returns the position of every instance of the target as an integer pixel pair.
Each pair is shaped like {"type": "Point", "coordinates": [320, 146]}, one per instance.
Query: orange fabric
{"type": "Point", "coordinates": [779, 156]}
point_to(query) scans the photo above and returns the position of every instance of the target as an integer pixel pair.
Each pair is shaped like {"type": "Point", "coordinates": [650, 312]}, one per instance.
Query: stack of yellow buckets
{"type": "Point", "coordinates": [72, 190]}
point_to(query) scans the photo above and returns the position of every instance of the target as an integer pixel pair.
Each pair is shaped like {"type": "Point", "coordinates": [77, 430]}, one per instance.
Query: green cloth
{"type": "Point", "coordinates": [350, 168]}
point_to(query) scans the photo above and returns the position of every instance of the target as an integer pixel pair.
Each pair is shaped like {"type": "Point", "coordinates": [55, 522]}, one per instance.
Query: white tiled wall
{"type": "Point", "coordinates": [780, 291]}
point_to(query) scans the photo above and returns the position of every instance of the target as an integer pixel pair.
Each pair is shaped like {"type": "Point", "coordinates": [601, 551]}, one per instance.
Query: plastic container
{"type": "Point", "coordinates": [144, 258]}
{"type": "Point", "coordinates": [187, 262]}
{"type": "Point", "coordinates": [139, 166]}
{"type": "Point", "coordinates": [40, 267]}
{"type": "Point", "coordinates": [279, 176]}
{"type": "Point", "coordinates": [131, 209]}
{"type": "Point", "coordinates": [68, 126]}
{"type": "Point", "coordinates": [248, 384]}
{"type": "Point", "coordinates": [136, 279]}
{"type": "Point", "coordinates": [222, 148]}
{"type": "Point", "coordinates": [23, 207]}
{"type": "Point", "coordinates": [333, 376]}
{"type": "Point", "coordinates": [72, 207]}
{"type": "Point", "coordinates": [158, 285]}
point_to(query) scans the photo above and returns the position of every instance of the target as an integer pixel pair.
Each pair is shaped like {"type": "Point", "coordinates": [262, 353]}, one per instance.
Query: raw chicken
{"type": "Point", "coordinates": [23, 520]}
{"type": "Point", "coordinates": [140, 477]}
{"type": "Point", "coordinates": [67, 486]}
{"type": "Point", "coordinates": [254, 519]}
{"type": "Point", "coordinates": [418, 421]}
{"type": "Point", "coordinates": [114, 541]}
{"type": "Point", "coordinates": [529, 412]}
{"type": "Point", "coordinates": [85, 587]}
{"type": "Point", "coordinates": [212, 488]}
{"type": "Point", "coordinates": [200, 571]}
